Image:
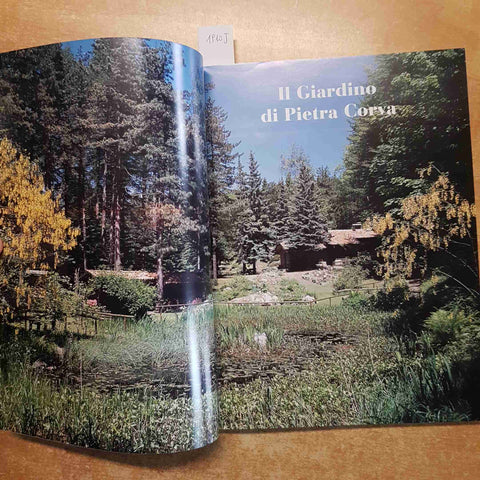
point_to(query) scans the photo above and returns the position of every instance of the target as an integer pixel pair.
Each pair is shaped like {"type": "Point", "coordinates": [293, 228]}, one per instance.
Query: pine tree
{"type": "Point", "coordinates": [255, 234]}
{"type": "Point", "coordinates": [325, 196]}
{"type": "Point", "coordinates": [282, 213]}
{"type": "Point", "coordinates": [221, 156]}
{"type": "Point", "coordinates": [115, 99]}
{"type": "Point", "coordinates": [307, 228]}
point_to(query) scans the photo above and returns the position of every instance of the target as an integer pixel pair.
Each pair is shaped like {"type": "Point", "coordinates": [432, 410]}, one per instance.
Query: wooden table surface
{"type": "Point", "coordinates": [266, 30]}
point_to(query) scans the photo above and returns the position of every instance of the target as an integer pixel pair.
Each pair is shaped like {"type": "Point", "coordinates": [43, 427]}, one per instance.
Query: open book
{"type": "Point", "coordinates": [256, 246]}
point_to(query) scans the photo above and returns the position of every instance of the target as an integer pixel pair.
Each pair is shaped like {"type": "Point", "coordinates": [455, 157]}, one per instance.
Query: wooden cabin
{"type": "Point", "coordinates": [346, 243]}
{"type": "Point", "coordinates": [178, 287]}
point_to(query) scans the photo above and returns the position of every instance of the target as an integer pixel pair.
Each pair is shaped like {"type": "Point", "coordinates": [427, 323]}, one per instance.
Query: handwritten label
{"type": "Point", "coordinates": [216, 45]}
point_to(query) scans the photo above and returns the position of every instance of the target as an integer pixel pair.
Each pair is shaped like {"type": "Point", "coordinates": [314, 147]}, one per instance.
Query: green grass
{"type": "Point", "coordinates": [122, 421]}
{"type": "Point", "coordinates": [139, 419]}
{"type": "Point", "coordinates": [343, 318]}
{"type": "Point", "coordinates": [156, 340]}
{"type": "Point", "coordinates": [325, 394]}
{"type": "Point", "coordinates": [379, 379]}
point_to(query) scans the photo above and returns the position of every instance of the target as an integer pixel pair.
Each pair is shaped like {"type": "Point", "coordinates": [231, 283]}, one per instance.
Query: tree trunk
{"type": "Point", "coordinates": [117, 261]}
{"type": "Point", "coordinates": [159, 303]}
{"type": "Point", "coordinates": [214, 261]}
{"type": "Point", "coordinates": [111, 259]}
{"type": "Point", "coordinates": [104, 201]}
{"type": "Point", "coordinates": [66, 187]}
{"type": "Point", "coordinates": [116, 217]}
{"type": "Point", "coordinates": [83, 220]}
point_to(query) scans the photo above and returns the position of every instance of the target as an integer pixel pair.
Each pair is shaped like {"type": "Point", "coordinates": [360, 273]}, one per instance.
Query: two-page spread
{"type": "Point", "coordinates": [255, 246]}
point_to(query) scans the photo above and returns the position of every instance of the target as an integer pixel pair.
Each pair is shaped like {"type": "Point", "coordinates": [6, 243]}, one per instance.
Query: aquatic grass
{"type": "Point", "coordinates": [422, 390]}
{"type": "Point", "coordinates": [141, 419]}
{"type": "Point", "coordinates": [121, 421]}
{"type": "Point", "coordinates": [344, 318]}
{"type": "Point", "coordinates": [244, 333]}
{"type": "Point", "coordinates": [153, 339]}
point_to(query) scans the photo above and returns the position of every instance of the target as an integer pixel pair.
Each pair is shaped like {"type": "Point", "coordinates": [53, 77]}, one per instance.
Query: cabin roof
{"type": "Point", "coordinates": [350, 237]}
{"type": "Point", "coordinates": [133, 274]}
{"type": "Point", "coordinates": [338, 237]}
{"type": "Point", "coordinates": [169, 278]}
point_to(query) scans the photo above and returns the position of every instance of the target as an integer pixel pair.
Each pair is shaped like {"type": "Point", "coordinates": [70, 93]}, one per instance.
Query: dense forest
{"type": "Point", "coordinates": [103, 240]}
{"type": "Point", "coordinates": [103, 128]}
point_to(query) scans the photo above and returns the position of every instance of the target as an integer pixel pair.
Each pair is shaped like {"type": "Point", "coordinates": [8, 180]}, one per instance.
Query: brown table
{"type": "Point", "coordinates": [266, 30]}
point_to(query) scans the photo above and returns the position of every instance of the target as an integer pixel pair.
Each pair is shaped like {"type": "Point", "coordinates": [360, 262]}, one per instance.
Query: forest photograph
{"type": "Point", "coordinates": [344, 252]}
{"type": "Point", "coordinates": [106, 317]}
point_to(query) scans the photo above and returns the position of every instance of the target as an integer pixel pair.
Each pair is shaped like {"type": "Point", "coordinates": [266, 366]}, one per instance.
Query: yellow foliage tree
{"type": "Point", "coordinates": [32, 224]}
{"type": "Point", "coordinates": [428, 223]}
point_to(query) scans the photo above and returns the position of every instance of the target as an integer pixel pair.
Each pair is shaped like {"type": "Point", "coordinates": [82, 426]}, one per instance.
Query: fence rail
{"type": "Point", "coordinates": [285, 302]}
{"type": "Point", "coordinates": [31, 318]}
{"type": "Point", "coordinates": [342, 294]}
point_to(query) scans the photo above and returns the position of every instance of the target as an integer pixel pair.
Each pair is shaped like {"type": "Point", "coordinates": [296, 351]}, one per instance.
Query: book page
{"type": "Point", "coordinates": [344, 241]}
{"type": "Point", "coordinates": [106, 316]}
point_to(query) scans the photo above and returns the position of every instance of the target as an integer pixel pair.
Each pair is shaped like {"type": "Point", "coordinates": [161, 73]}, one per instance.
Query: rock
{"type": "Point", "coordinates": [260, 339]}
{"type": "Point", "coordinates": [308, 298]}
{"type": "Point", "coordinates": [227, 289]}
{"type": "Point", "coordinates": [266, 297]}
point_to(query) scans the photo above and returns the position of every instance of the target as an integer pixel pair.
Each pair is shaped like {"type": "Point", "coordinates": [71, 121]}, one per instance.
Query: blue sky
{"type": "Point", "coordinates": [182, 79]}
{"type": "Point", "coordinates": [246, 91]}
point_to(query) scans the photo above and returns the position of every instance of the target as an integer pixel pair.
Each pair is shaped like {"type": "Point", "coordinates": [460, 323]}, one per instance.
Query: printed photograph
{"type": "Point", "coordinates": [344, 253]}
{"type": "Point", "coordinates": [106, 317]}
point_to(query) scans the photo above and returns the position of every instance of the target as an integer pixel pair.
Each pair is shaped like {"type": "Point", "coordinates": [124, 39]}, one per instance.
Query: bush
{"type": "Point", "coordinates": [351, 277]}
{"type": "Point", "coordinates": [367, 263]}
{"type": "Point", "coordinates": [239, 286]}
{"type": "Point", "coordinates": [407, 316]}
{"type": "Point", "coordinates": [392, 298]}
{"type": "Point", "coordinates": [290, 290]}
{"type": "Point", "coordinates": [445, 325]}
{"type": "Point", "coordinates": [356, 300]}
{"type": "Point", "coordinates": [123, 295]}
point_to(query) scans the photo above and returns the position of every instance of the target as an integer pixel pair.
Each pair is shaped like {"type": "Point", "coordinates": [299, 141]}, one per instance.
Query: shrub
{"type": "Point", "coordinates": [239, 286]}
{"type": "Point", "coordinates": [392, 298]}
{"type": "Point", "coordinates": [445, 325]}
{"type": "Point", "coordinates": [123, 295]}
{"type": "Point", "coordinates": [407, 316]}
{"type": "Point", "coordinates": [351, 277]}
{"type": "Point", "coordinates": [367, 263]}
{"type": "Point", "coordinates": [357, 300]}
{"type": "Point", "coordinates": [290, 290]}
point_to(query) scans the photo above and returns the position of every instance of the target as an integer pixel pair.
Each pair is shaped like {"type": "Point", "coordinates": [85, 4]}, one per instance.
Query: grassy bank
{"type": "Point", "coordinates": [109, 391]}
{"type": "Point", "coordinates": [120, 421]}
{"type": "Point", "coordinates": [369, 377]}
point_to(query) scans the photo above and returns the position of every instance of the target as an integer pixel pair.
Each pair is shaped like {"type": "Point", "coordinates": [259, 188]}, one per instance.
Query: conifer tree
{"type": "Point", "coordinates": [254, 234]}
{"type": "Point", "coordinates": [282, 213]}
{"type": "Point", "coordinates": [325, 198]}
{"type": "Point", "coordinates": [114, 119]}
{"type": "Point", "coordinates": [221, 156]}
{"type": "Point", "coordinates": [307, 228]}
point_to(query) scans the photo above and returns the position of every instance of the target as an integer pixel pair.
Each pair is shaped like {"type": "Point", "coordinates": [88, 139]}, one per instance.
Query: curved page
{"type": "Point", "coordinates": [106, 317]}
